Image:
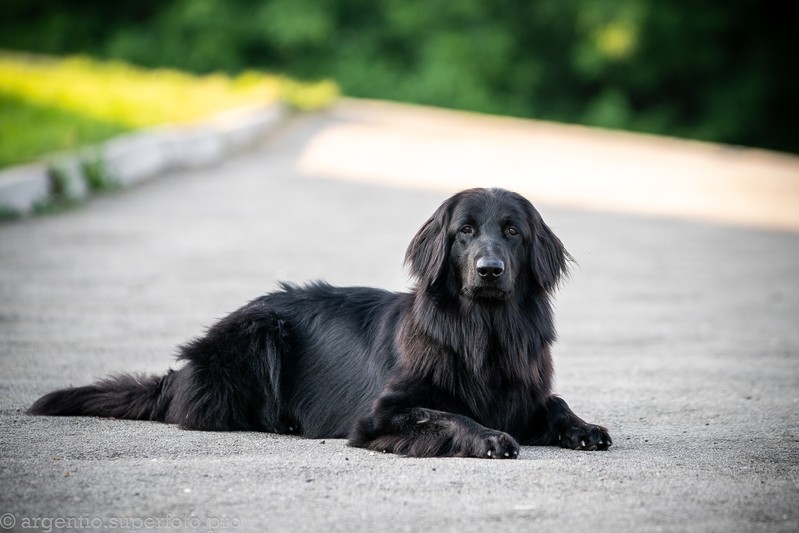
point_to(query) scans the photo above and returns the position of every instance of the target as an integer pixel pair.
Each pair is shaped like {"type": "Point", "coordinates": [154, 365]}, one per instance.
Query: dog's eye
{"type": "Point", "coordinates": [467, 230]}
{"type": "Point", "coordinates": [512, 231]}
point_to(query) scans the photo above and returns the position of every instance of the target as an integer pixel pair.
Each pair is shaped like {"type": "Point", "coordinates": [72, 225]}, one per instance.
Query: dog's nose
{"type": "Point", "coordinates": [490, 267]}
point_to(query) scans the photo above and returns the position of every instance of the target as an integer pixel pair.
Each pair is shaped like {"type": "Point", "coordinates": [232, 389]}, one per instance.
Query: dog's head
{"type": "Point", "coordinates": [486, 244]}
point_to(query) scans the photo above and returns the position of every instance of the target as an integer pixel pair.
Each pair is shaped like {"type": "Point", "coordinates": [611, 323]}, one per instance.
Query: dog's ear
{"type": "Point", "coordinates": [549, 259]}
{"type": "Point", "coordinates": [427, 254]}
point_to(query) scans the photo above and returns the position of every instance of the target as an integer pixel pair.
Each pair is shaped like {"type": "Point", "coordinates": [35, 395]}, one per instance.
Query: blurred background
{"type": "Point", "coordinates": [716, 71]}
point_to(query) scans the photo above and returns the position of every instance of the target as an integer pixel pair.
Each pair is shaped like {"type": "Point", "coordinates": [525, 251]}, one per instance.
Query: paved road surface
{"type": "Point", "coordinates": [680, 335]}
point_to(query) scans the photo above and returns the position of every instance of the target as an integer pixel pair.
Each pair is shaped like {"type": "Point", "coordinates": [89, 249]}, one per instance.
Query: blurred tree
{"type": "Point", "coordinates": [721, 71]}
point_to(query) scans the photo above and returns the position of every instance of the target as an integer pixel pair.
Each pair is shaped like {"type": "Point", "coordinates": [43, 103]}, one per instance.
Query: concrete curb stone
{"type": "Point", "coordinates": [23, 187]}
{"type": "Point", "coordinates": [136, 157]}
{"type": "Point", "coordinates": [68, 168]}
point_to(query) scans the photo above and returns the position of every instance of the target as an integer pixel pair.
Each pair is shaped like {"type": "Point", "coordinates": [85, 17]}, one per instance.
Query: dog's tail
{"type": "Point", "coordinates": [130, 396]}
{"type": "Point", "coordinates": [231, 381]}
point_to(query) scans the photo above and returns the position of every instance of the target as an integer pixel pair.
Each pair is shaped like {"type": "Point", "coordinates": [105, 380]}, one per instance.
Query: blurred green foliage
{"type": "Point", "coordinates": [721, 71]}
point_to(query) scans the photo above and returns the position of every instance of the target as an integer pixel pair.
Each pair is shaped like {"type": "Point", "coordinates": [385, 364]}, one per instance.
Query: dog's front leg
{"type": "Point", "coordinates": [421, 432]}
{"type": "Point", "coordinates": [568, 430]}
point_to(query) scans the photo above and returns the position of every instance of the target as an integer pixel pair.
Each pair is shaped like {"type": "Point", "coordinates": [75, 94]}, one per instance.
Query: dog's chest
{"type": "Point", "coordinates": [498, 403]}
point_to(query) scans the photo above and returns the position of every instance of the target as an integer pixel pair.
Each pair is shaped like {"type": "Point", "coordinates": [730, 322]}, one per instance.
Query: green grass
{"type": "Point", "coordinates": [28, 131]}
{"type": "Point", "coordinates": [49, 105]}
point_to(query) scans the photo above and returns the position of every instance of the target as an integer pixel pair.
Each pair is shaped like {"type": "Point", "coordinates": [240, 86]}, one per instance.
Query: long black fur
{"type": "Point", "coordinates": [460, 366]}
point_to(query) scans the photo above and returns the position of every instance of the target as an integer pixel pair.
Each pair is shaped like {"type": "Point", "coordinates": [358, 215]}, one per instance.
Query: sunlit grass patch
{"type": "Point", "coordinates": [50, 104]}
{"type": "Point", "coordinates": [124, 94]}
{"type": "Point", "coordinates": [308, 96]}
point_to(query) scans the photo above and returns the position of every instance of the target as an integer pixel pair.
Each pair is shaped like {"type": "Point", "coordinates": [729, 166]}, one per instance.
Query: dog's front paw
{"type": "Point", "coordinates": [496, 445]}
{"type": "Point", "coordinates": [585, 437]}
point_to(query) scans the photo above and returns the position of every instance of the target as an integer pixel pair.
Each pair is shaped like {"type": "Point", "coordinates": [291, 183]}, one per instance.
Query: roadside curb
{"type": "Point", "coordinates": [133, 158]}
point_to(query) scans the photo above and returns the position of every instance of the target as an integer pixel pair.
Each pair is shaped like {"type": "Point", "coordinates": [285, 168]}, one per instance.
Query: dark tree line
{"type": "Point", "coordinates": [717, 70]}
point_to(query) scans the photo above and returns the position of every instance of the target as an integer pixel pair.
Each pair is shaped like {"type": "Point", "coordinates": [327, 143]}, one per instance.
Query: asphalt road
{"type": "Point", "coordinates": [679, 335]}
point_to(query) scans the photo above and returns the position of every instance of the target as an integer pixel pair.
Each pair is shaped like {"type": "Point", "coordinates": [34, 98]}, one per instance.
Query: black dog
{"type": "Point", "coordinates": [461, 366]}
